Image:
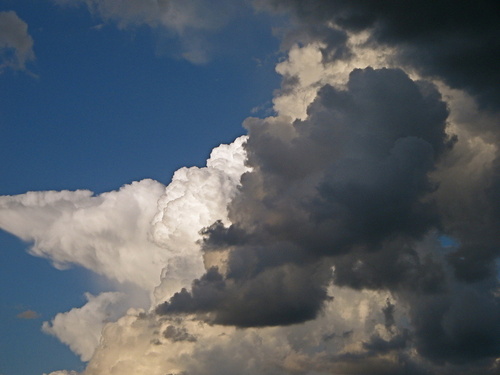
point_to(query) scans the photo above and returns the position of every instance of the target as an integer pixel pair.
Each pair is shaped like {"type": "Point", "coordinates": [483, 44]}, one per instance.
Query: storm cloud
{"type": "Point", "coordinates": [353, 231]}
{"type": "Point", "coordinates": [347, 184]}
{"type": "Point", "coordinates": [360, 186]}
{"type": "Point", "coordinates": [456, 42]}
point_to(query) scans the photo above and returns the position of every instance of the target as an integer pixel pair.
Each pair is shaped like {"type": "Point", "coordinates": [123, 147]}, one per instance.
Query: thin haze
{"type": "Point", "coordinates": [354, 230]}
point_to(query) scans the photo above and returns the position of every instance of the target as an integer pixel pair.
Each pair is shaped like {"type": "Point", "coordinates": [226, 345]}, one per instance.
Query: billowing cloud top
{"type": "Point", "coordinates": [355, 231]}
{"type": "Point", "coordinates": [458, 43]}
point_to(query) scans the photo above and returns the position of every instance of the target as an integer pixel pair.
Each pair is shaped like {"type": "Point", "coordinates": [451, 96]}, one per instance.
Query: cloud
{"type": "Point", "coordinates": [460, 327]}
{"type": "Point", "coordinates": [354, 321]}
{"type": "Point", "coordinates": [438, 38]}
{"type": "Point", "coordinates": [80, 328]}
{"type": "Point", "coordinates": [355, 185]}
{"type": "Point", "coordinates": [173, 14]}
{"type": "Point", "coordinates": [189, 20]}
{"type": "Point", "coordinates": [353, 175]}
{"type": "Point", "coordinates": [194, 199]}
{"type": "Point", "coordinates": [141, 343]}
{"type": "Point", "coordinates": [350, 187]}
{"type": "Point", "coordinates": [28, 314]}
{"type": "Point", "coordinates": [101, 233]}
{"type": "Point", "coordinates": [254, 302]}
{"type": "Point", "coordinates": [16, 45]}
{"type": "Point", "coordinates": [312, 245]}
{"type": "Point", "coordinates": [104, 233]}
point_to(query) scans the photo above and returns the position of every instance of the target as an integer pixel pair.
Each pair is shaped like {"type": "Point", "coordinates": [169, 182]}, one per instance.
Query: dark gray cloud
{"type": "Point", "coordinates": [176, 334]}
{"type": "Point", "coordinates": [394, 265]}
{"type": "Point", "coordinates": [459, 42]}
{"type": "Point", "coordinates": [354, 172]}
{"type": "Point", "coordinates": [389, 315]}
{"type": "Point", "coordinates": [379, 345]}
{"type": "Point", "coordinates": [468, 205]}
{"type": "Point", "coordinates": [348, 186]}
{"type": "Point", "coordinates": [253, 302]}
{"type": "Point", "coordinates": [456, 42]}
{"type": "Point", "coordinates": [333, 335]}
{"type": "Point", "coordinates": [348, 189]}
{"type": "Point", "coordinates": [460, 326]}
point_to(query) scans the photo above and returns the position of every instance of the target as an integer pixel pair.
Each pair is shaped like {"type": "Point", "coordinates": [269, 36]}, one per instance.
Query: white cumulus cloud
{"type": "Point", "coordinates": [144, 233]}
{"type": "Point", "coordinates": [107, 234]}
{"type": "Point", "coordinates": [80, 328]}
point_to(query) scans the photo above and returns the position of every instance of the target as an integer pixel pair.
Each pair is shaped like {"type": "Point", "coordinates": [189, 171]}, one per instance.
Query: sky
{"type": "Point", "coordinates": [249, 187]}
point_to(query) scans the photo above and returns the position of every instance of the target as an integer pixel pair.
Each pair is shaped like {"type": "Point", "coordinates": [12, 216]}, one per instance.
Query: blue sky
{"type": "Point", "coordinates": [99, 108]}
{"type": "Point", "coordinates": [105, 102]}
{"type": "Point", "coordinates": [261, 187]}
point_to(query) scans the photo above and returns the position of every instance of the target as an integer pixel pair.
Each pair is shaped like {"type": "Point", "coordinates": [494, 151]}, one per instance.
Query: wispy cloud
{"type": "Point", "coordinates": [190, 21]}
{"type": "Point", "coordinates": [16, 44]}
{"type": "Point", "coordinates": [28, 315]}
